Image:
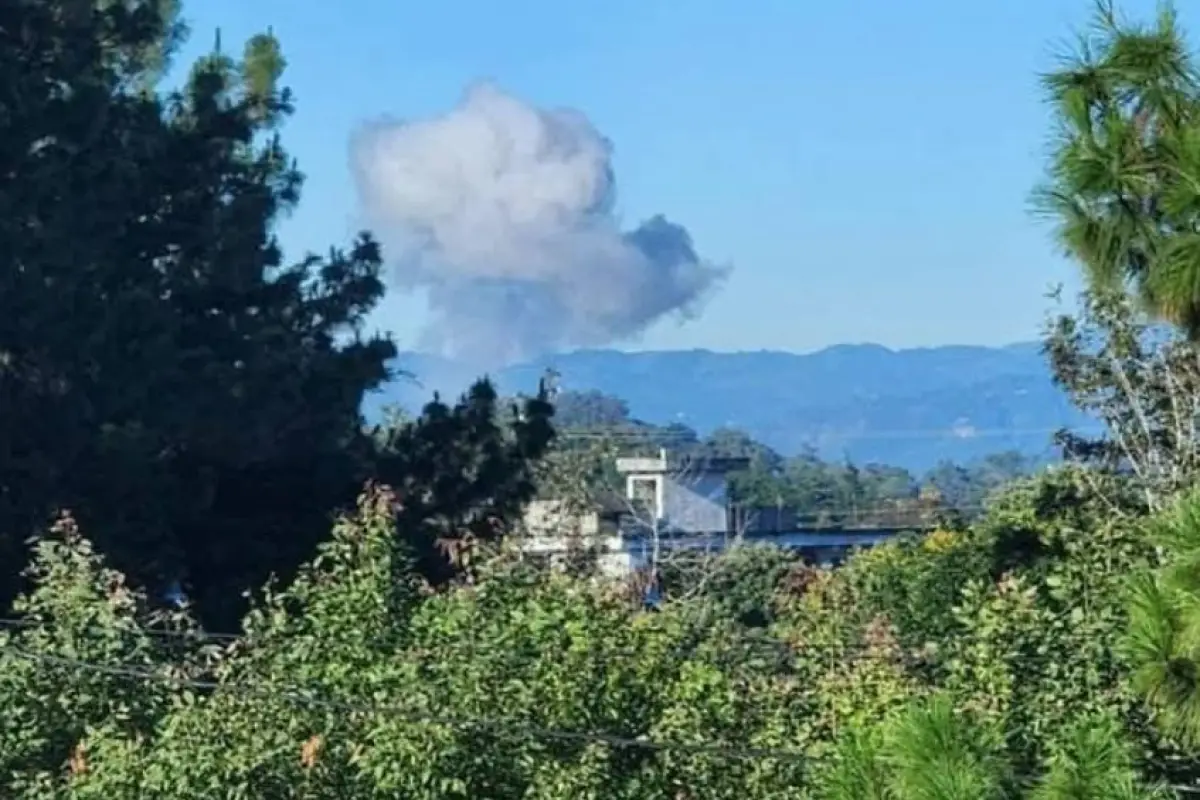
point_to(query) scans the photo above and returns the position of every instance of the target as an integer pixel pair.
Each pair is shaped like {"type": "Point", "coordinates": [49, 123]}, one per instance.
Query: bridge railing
{"type": "Point", "coordinates": [782, 519]}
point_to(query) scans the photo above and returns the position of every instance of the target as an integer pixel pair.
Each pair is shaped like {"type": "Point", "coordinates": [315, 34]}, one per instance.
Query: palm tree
{"type": "Point", "coordinates": [1123, 183]}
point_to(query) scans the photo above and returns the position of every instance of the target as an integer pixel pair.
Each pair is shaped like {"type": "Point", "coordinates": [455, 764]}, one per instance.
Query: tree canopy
{"type": "Point", "coordinates": [166, 372]}
{"type": "Point", "coordinates": [937, 668]}
{"type": "Point", "coordinates": [181, 404]}
{"type": "Point", "coordinates": [1123, 183]}
{"type": "Point", "coordinates": [821, 492]}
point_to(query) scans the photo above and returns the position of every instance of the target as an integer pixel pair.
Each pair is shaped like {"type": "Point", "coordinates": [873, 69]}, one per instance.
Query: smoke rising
{"type": "Point", "coordinates": [504, 215]}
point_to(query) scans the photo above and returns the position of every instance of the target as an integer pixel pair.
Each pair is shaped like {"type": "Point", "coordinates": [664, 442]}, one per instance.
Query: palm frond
{"type": "Point", "coordinates": [1174, 284]}
{"type": "Point", "coordinates": [1123, 178]}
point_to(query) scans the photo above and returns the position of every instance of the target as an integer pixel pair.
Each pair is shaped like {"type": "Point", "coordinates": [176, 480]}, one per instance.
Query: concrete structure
{"type": "Point", "coordinates": [823, 547]}
{"type": "Point", "coordinates": [553, 530]}
{"type": "Point", "coordinates": [672, 503]}
{"type": "Point", "coordinates": [677, 495]}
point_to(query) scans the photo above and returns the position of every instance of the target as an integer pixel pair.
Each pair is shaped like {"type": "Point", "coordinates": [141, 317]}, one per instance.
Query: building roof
{"type": "Point", "coordinates": [611, 502]}
{"type": "Point", "coordinates": [666, 462]}
{"type": "Point", "coordinates": [605, 502]}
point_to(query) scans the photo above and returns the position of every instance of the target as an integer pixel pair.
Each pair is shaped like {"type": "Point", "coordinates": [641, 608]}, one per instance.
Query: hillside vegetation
{"type": "Point", "coordinates": [182, 417]}
{"type": "Point", "coordinates": [865, 403]}
{"type": "Point", "coordinates": [981, 661]}
{"type": "Point", "coordinates": [594, 429]}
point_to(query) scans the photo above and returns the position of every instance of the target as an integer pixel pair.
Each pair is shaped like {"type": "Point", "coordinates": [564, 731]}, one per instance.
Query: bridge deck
{"type": "Point", "coordinates": [802, 538]}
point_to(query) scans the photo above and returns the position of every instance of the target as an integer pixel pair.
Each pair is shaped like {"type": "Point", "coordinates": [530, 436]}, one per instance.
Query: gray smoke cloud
{"type": "Point", "coordinates": [504, 214]}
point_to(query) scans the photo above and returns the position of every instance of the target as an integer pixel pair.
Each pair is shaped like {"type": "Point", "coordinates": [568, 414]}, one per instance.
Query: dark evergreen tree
{"type": "Point", "coordinates": [463, 475]}
{"type": "Point", "coordinates": [165, 373]}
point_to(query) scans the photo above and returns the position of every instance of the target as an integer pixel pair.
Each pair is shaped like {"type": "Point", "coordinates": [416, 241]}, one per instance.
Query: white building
{"type": "Point", "coordinates": [680, 495]}
{"type": "Point", "coordinates": [676, 503]}
{"type": "Point", "coordinates": [552, 529]}
{"type": "Point", "coordinates": [663, 498]}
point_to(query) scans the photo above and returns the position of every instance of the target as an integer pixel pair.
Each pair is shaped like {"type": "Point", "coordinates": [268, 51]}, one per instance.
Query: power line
{"type": "Point", "coordinates": [960, 433]}
{"type": "Point", "coordinates": [199, 635]}
{"type": "Point", "coordinates": [751, 646]}
{"type": "Point", "coordinates": [503, 724]}
{"type": "Point", "coordinates": [731, 541]}
{"type": "Point", "coordinates": [831, 521]}
{"type": "Point", "coordinates": [495, 724]}
{"type": "Point", "coordinates": [866, 510]}
{"type": "Point", "coordinates": [471, 647]}
{"type": "Point", "coordinates": [305, 698]}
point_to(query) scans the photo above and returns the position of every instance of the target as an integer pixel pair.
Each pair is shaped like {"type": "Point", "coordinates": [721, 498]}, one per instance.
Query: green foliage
{"type": "Point", "coordinates": [348, 683]}
{"type": "Point", "coordinates": [590, 410]}
{"type": "Point", "coordinates": [916, 582]}
{"type": "Point", "coordinates": [358, 680]}
{"type": "Point", "coordinates": [194, 397]}
{"type": "Point", "coordinates": [1017, 617]}
{"type": "Point", "coordinates": [1141, 382]}
{"type": "Point", "coordinates": [1040, 649]}
{"type": "Point", "coordinates": [189, 393]}
{"type": "Point", "coordinates": [857, 770]}
{"type": "Point", "coordinates": [933, 751]}
{"type": "Point", "coordinates": [928, 751]}
{"type": "Point", "coordinates": [742, 584]}
{"type": "Point", "coordinates": [596, 428]}
{"type": "Point", "coordinates": [81, 611]}
{"type": "Point", "coordinates": [826, 493]}
{"type": "Point", "coordinates": [1162, 643]}
{"type": "Point", "coordinates": [1122, 183]}
{"type": "Point", "coordinates": [167, 375]}
{"type": "Point", "coordinates": [936, 753]}
{"type": "Point", "coordinates": [461, 475]}
{"type": "Point", "coordinates": [1093, 760]}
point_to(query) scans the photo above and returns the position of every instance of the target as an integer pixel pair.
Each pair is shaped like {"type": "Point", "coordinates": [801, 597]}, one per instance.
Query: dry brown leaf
{"type": "Point", "coordinates": [311, 750]}
{"type": "Point", "coordinates": [78, 762]}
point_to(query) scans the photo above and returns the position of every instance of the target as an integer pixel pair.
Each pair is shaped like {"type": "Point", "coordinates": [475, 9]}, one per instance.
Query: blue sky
{"type": "Point", "coordinates": [863, 165]}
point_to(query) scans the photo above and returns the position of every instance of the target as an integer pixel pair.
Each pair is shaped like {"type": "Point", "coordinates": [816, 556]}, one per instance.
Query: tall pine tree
{"type": "Point", "coordinates": [165, 373]}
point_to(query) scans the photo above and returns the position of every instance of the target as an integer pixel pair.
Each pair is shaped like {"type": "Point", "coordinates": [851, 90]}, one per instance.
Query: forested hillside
{"type": "Point", "coordinates": [864, 403]}
{"type": "Point", "coordinates": [821, 492]}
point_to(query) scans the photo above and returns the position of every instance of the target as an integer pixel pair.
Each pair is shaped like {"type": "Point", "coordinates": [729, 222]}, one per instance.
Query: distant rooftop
{"type": "Point", "coordinates": [666, 462]}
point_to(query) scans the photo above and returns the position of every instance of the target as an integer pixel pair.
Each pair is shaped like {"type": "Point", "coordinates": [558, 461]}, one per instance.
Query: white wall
{"type": "Point", "coordinates": [554, 519]}
{"type": "Point", "coordinates": [696, 502]}
{"type": "Point", "coordinates": [550, 530]}
{"type": "Point", "coordinates": [693, 502]}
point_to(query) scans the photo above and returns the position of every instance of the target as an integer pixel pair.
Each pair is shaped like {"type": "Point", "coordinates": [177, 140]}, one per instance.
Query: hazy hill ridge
{"type": "Point", "coordinates": [910, 408]}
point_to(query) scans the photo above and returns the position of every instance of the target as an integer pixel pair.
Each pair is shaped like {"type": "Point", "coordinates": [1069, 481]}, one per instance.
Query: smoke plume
{"type": "Point", "coordinates": [504, 214]}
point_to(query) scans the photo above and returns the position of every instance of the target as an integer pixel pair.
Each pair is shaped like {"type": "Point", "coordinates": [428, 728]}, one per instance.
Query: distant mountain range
{"type": "Point", "coordinates": [867, 403]}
